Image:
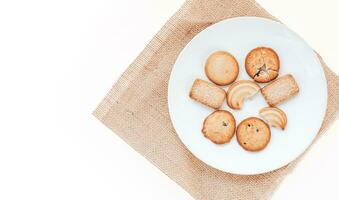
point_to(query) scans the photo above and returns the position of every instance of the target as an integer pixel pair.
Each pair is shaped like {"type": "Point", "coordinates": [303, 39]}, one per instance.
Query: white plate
{"type": "Point", "coordinates": [305, 112]}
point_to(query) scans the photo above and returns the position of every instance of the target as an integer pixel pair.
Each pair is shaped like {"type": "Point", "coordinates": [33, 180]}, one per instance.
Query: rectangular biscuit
{"type": "Point", "coordinates": [280, 90]}
{"type": "Point", "coordinates": [207, 93]}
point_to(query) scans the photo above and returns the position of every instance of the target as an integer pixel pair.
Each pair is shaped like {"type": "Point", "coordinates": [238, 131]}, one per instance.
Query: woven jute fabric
{"type": "Point", "coordinates": [136, 107]}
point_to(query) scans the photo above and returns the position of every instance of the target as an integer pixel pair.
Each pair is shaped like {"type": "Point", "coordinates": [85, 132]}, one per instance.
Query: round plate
{"type": "Point", "coordinates": [305, 112]}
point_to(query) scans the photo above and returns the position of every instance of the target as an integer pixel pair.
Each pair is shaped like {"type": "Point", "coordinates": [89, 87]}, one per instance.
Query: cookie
{"type": "Point", "coordinates": [239, 91]}
{"type": "Point", "coordinates": [262, 64]}
{"type": "Point", "coordinates": [280, 90]}
{"type": "Point", "coordinates": [253, 134]}
{"type": "Point", "coordinates": [221, 68]}
{"type": "Point", "coordinates": [207, 94]}
{"type": "Point", "coordinates": [219, 127]}
{"type": "Point", "coordinates": [274, 116]}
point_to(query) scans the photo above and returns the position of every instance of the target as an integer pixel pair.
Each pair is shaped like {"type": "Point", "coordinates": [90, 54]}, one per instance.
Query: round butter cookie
{"type": "Point", "coordinates": [262, 64]}
{"type": "Point", "coordinates": [222, 68]}
{"type": "Point", "coordinates": [219, 127]}
{"type": "Point", "coordinates": [253, 134]}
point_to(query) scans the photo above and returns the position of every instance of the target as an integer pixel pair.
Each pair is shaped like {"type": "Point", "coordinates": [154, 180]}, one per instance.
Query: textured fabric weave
{"type": "Point", "coordinates": [136, 107]}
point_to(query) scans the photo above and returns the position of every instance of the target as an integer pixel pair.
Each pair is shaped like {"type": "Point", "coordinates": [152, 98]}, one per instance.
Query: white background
{"type": "Point", "coordinates": [57, 61]}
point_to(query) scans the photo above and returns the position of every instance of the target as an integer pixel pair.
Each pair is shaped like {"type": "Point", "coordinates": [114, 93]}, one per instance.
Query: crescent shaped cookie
{"type": "Point", "coordinates": [274, 116]}
{"type": "Point", "coordinates": [239, 91]}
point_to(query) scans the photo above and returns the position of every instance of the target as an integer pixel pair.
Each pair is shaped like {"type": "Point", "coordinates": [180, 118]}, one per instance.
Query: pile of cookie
{"type": "Point", "coordinates": [262, 64]}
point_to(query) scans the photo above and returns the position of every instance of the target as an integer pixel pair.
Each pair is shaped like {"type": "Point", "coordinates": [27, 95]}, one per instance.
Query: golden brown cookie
{"type": "Point", "coordinates": [239, 91]}
{"type": "Point", "coordinates": [207, 93]}
{"type": "Point", "coordinates": [280, 90]}
{"type": "Point", "coordinates": [262, 64]}
{"type": "Point", "coordinates": [274, 116]}
{"type": "Point", "coordinates": [221, 68]}
{"type": "Point", "coordinates": [253, 134]}
{"type": "Point", "coordinates": [219, 126]}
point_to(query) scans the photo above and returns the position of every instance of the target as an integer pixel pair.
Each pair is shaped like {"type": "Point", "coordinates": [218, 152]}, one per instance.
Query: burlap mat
{"type": "Point", "coordinates": [136, 107]}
